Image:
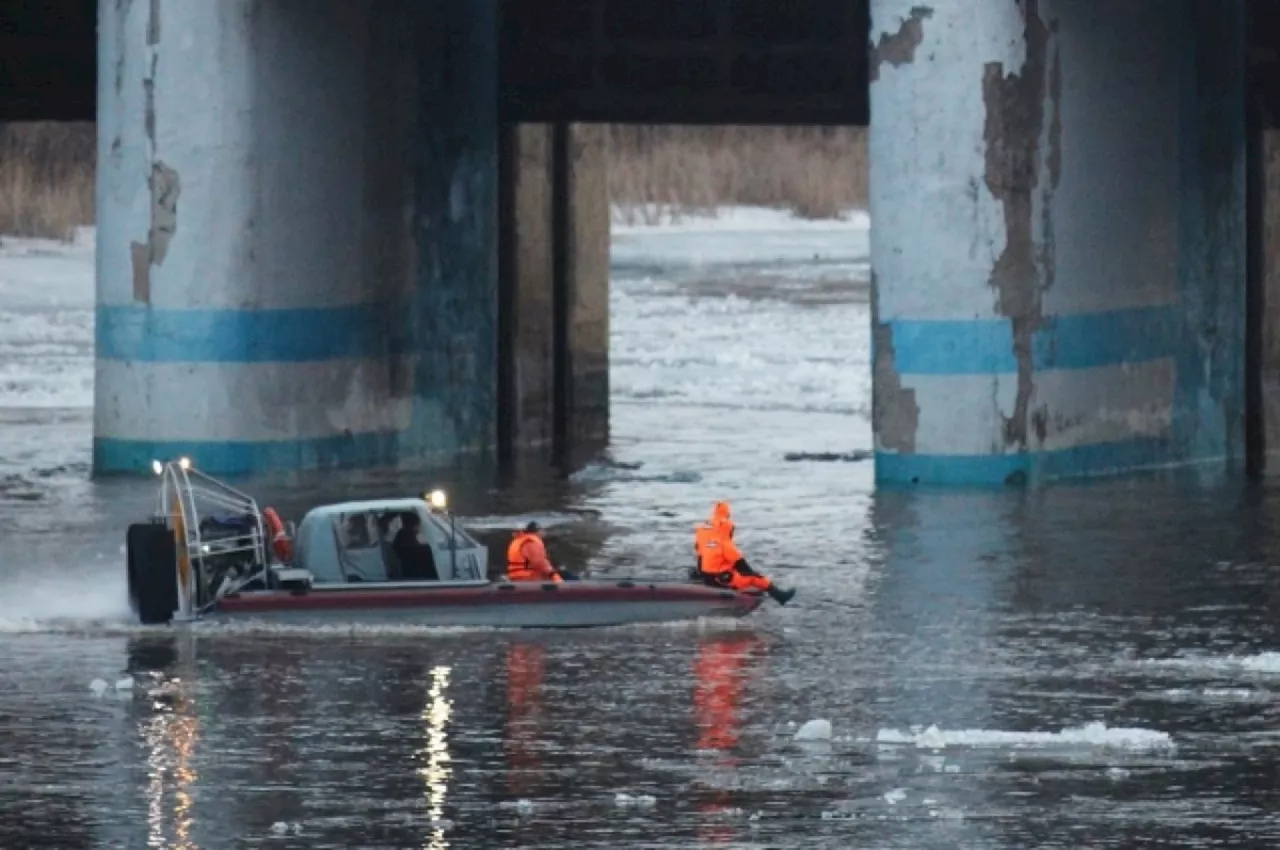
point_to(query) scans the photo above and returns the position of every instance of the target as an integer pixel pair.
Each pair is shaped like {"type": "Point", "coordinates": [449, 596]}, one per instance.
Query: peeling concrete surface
{"type": "Point", "coordinates": [1061, 290]}
{"type": "Point", "coordinates": [165, 186]}
{"type": "Point", "coordinates": [894, 412]}
{"type": "Point", "coordinates": [899, 48]}
{"type": "Point", "coordinates": [1014, 104]}
{"type": "Point", "coordinates": [285, 136]}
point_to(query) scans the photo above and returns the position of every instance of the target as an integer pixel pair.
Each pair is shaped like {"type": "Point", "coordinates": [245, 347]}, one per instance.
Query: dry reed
{"type": "Point", "coordinates": [673, 171]}
{"type": "Point", "coordinates": [46, 178]}
{"type": "Point", "coordinates": [47, 172]}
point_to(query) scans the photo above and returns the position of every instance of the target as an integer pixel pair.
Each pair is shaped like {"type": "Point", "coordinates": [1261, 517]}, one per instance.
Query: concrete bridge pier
{"type": "Point", "coordinates": [299, 207]}
{"type": "Point", "coordinates": [1058, 245]}
{"type": "Point", "coordinates": [555, 265]}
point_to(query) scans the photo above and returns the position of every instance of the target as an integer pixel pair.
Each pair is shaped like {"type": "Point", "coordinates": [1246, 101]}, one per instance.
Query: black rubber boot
{"type": "Point", "coordinates": [782, 597]}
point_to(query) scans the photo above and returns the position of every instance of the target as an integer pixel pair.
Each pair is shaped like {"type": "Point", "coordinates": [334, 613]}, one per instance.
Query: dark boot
{"type": "Point", "coordinates": [782, 597]}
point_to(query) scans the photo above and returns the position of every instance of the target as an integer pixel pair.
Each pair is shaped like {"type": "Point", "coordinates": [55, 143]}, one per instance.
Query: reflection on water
{"type": "Point", "coordinates": [1085, 666]}
{"type": "Point", "coordinates": [171, 734]}
{"type": "Point", "coordinates": [524, 716]}
{"type": "Point", "coordinates": [436, 773]}
{"type": "Point", "coordinates": [721, 671]}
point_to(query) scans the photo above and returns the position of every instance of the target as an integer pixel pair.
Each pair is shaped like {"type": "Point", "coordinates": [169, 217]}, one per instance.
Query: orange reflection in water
{"type": "Point", "coordinates": [526, 664]}
{"type": "Point", "coordinates": [721, 672]}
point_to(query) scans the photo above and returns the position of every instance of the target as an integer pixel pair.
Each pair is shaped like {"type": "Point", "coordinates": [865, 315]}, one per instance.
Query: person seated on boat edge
{"type": "Point", "coordinates": [527, 558]}
{"type": "Point", "coordinates": [721, 563]}
{"type": "Point", "coordinates": [416, 559]}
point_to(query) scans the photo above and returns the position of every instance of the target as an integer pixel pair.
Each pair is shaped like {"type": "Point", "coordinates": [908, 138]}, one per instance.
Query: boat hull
{"type": "Point", "coordinates": [570, 604]}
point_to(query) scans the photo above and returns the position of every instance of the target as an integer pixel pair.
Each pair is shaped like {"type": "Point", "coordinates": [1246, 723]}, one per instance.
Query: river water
{"type": "Point", "coordinates": [1081, 666]}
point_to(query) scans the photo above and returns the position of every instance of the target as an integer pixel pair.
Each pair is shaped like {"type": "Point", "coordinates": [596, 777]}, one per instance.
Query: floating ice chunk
{"type": "Point", "coordinates": [523, 806]}
{"type": "Point", "coordinates": [818, 729]}
{"type": "Point", "coordinates": [125, 684]}
{"type": "Point", "coordinates": [99, 687]}
{"type": "Point", "coordinates": [280, 827]}
{"type": "Point", "coordinates": [1262, 662]}
{"type": "Point", "coordinates": [897, 795]}
{"type": "Point", "coordinates": [1090, 734]}
{"type": "Point", "coordinates": [643, 801]}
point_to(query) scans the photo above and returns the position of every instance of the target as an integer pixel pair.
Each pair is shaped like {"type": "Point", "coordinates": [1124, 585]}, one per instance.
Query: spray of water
{"type": "Point", "coordinates": [78, 597]}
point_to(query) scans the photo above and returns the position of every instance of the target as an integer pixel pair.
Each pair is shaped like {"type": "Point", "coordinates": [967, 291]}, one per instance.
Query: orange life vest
{"type": "Point", "coordinates": [518, 567]}
{"type": "Point", "coordinates": [716, 551]}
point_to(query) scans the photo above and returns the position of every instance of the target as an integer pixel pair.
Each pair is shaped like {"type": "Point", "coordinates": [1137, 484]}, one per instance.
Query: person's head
{"type": "Point", "coordinates": [357, 528]}
{"type": "Point", "coordinates": [533, 528]}
{"type": "Point", "coordinates": [410, 520]}
{"type": "Point", "coordinates": [721, 518]}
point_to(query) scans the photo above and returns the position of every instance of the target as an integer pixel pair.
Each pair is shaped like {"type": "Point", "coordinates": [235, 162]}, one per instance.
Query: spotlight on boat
{"type": "Point", "coordinates": [437, 499]}
{"type": "Point", "coordinates": [157, 467]}
{"type": "Point", "coordinates": [185, 463]}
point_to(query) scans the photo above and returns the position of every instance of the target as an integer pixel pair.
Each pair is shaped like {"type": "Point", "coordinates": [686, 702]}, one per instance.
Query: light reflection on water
{"type": "Point", "coordinates": [997, 610]}
{"type": "Point", "coordinates": [437, 771]}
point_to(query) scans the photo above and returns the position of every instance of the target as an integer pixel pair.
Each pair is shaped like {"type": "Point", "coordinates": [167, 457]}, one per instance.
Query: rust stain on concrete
{"type": "Point", "coordinates": [1015, 105]}
{"type": "Point", "coordinates": [894, 411]}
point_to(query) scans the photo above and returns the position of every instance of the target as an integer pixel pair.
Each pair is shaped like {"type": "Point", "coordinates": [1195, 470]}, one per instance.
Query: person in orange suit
{"type": "Point", "coordinates": [527, 557]}
{"type": "Point", "coordinates": [720, 562]}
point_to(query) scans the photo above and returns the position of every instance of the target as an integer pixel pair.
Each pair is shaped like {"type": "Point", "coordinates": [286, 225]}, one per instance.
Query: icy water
{"type": "Point", "coordinates": [1084, 666]}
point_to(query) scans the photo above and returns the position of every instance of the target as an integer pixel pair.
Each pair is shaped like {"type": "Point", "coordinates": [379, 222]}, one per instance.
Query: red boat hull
{"type": "Point", "coordinates": [512, 604]}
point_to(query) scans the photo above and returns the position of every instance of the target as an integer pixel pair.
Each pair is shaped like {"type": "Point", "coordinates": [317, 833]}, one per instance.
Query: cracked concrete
{"type": "Point", "coordinates": [165, 186]}
{"type": "Point", "coordinates": [899, 48]}
{"type": "Point", "coordinates": [163, 182]}
{"type": "Point", "coordinates": [1014, 122]}
{"type": "Point", "coordinates": [893, 407]}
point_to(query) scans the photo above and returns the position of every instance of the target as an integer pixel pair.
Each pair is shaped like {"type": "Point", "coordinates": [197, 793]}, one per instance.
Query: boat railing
{"type": "Point", "coordinates": [219, 531]}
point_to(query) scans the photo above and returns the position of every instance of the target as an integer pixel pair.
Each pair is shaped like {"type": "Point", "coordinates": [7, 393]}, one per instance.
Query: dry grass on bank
{"type": "Point", "coordinates": [815, 172]}
{"type": "Point", "coordinates": [47, 173]}
{"type": "Point", "coordinates": [46, 178]}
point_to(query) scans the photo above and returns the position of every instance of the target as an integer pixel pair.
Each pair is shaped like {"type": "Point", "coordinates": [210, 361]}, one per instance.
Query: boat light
{"type": "Point", "coordinates": [184, 462]}
{"type": "Point", "coordinates": [157, 467]}
{"type": "Point", "coordinates": [436, 499]}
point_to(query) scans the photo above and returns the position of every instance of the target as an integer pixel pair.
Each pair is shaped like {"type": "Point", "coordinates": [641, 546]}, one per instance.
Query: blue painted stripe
{"type": "Point", "coordinates": [1030, 467]}
{"type": "Point", "coordinates": [1085, 341]}
{"type": "Point", "coordinates": [139, 333]}
{"type": "Point", "coordinates": [353, 451]}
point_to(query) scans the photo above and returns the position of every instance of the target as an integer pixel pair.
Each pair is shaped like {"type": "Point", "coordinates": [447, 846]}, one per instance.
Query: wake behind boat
{"type": "Point", "coordinates": [210, 552]}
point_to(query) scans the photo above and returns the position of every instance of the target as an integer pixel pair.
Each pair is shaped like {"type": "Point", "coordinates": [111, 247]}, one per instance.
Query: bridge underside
{"type": "Point", "coordinates": [334, 238]}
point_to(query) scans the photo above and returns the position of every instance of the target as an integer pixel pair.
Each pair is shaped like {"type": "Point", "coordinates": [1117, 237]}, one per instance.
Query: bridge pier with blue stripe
{"type": "Point", "coordinates": [298, 242]}
{"type": "Point", "coordinates": [1058, 238]}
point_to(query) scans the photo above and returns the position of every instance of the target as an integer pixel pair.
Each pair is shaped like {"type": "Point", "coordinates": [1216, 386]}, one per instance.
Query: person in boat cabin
{"type": "Point", "coordinates": [417, 560]}
{"type": "Point", "coordinates": [721, 563]}
{"type": "Point", "coordinates": [386, 540]}
{"type": "Point", "coordinates": [527, 557]}
{"type": "Point", "coordinates": [357, 532]}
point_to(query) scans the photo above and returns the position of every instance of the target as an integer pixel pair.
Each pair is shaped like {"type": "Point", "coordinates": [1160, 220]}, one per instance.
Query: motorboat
{"type": "Point", "coordinates": [211, 552]}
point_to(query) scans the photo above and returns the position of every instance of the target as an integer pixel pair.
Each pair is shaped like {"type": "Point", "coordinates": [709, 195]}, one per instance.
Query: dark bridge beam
{"type": "Point", "coordinates": [691, 62]}
{"type": "Point", "coordinates": [682, 61]}
{"type": "Point", "coordinates": [48, 60]}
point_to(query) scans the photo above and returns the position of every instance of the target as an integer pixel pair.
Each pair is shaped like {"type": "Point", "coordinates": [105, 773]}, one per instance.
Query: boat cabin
{"type": "Point", "coordinates": [386, 540]}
